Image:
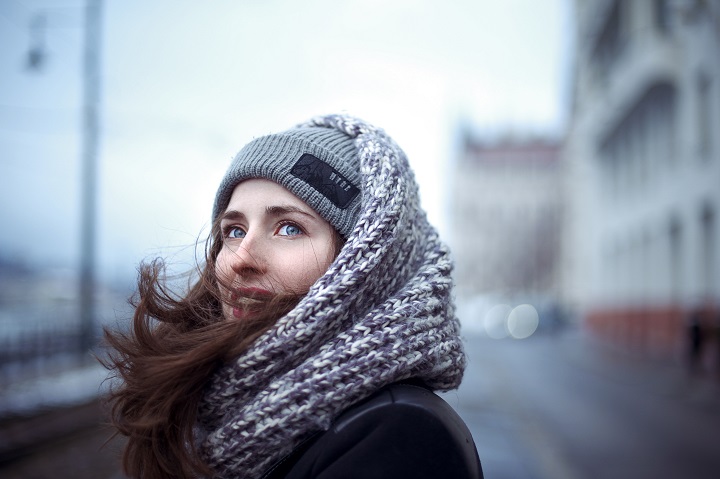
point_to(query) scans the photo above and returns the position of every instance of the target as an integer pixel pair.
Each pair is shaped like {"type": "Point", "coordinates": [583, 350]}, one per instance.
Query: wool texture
{"type": "Point", "coordinates": [383, 312]}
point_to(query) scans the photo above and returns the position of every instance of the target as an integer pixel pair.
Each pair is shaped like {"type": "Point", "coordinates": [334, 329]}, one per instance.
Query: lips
{"type": "Point", "coordinates": [247, 302]}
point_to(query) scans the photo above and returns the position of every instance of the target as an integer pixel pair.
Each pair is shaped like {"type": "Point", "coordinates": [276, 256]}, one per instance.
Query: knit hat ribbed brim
{"type": "Point", "coordinates": [319, 165]}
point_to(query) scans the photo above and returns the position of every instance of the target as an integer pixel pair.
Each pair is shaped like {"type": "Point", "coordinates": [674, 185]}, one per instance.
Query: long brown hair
{"type": "Point", "coordinates": [165, 360]}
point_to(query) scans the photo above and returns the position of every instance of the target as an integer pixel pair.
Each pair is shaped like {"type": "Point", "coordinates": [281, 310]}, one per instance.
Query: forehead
{"type": "Point", "coordinates": [260, 193]}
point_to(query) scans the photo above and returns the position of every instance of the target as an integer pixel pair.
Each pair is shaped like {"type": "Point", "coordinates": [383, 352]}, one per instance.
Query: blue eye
{"type": "Point", "coordinates": [290, 230]}
{"type": "Point", "coordinates": [234, 232]}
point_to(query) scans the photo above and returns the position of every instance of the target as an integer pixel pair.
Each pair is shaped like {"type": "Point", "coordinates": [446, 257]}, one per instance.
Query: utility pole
{"type": "Point", "coordinates": [90, 131]}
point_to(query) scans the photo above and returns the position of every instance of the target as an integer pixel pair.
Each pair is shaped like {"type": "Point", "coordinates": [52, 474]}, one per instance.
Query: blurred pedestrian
{"type": "Point", "coordinates": [695, 340]}
{"type": "Point", "coordinates": [319, 326]}
{"type": "Point", "coordinates": [716, 315]}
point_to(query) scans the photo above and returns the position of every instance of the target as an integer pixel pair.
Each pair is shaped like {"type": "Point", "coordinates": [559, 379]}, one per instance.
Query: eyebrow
{"type": "Point", "coordinates": [280, 210]}
{"type": "Point", "coordinates": [232, 215]}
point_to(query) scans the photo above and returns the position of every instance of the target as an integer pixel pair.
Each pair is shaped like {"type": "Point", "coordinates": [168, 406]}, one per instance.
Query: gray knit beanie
{"type": "Point", "coordinates": [319, 165]}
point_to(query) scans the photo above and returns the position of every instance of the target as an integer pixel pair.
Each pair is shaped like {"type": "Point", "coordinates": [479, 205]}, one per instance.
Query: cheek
{"type": "Point", "coordinates": [316, 264]}
{"type": "Point", "coordinates": [221, 265]}
{"type": "Point", "coordinates": [301, 269]}
{"type": "Point", "coordinates": [313, 272]}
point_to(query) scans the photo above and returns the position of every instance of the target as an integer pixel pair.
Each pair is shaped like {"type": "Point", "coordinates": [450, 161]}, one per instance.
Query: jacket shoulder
{"type": "Point", "coordinates": [407, 401]}
{"type": "Point", "coordinates": [403, 430]}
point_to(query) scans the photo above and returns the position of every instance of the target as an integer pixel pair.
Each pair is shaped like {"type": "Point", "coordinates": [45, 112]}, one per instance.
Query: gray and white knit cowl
{"type": "Point", "coordinates": [382, 313]}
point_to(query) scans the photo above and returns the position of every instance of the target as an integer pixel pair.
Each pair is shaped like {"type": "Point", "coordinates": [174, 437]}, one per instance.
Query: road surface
{"type": "Point", "coordinates": [551, 406]}
{"type": "Point", "coordinates": [563, 406]}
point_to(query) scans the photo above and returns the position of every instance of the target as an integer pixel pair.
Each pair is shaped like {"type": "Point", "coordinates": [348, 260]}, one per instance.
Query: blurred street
{"type": "Point", "coordinates": [73, 442]}
{"type": "Point", "coordinates": [558, 406]}
{"type": "Point", "coordinates": [565, 407]}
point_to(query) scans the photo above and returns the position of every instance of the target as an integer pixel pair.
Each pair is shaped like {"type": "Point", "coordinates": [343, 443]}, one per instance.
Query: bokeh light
{"type": "Point", "coordinates": [522, 321]}
{"type": "Point", "coordinates": [496, 321]}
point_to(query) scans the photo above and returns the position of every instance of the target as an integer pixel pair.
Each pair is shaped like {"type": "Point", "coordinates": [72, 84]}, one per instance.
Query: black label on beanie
{"type": "Point", "coordinates": [325, 179]}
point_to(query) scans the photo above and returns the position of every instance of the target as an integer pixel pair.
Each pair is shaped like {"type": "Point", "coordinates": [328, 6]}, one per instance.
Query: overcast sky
{"type": "Point", "coordinates": [185, 85]}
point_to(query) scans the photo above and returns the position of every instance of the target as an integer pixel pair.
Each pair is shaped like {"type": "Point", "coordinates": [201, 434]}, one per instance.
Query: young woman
{"type": "Point", "coordinates": [321, 322]}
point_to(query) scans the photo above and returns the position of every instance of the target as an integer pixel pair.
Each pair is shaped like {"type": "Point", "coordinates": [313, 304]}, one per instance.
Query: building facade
{"type": "Point", "coordinates": [507, 209]}
{"type": "Point", "coordinates": [642, 157]}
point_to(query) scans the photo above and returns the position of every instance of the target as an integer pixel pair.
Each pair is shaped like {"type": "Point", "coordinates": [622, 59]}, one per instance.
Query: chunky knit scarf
{"type": "Point", "coordinates": [382, 313]}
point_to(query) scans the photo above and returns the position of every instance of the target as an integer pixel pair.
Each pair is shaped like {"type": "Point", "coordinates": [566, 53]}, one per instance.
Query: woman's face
{"type": "Point", "coordinates": [272, 243]}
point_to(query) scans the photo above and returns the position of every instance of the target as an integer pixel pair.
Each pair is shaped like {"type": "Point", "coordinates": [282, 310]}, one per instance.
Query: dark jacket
{"type": "Point", "coordinates": [402, 431]}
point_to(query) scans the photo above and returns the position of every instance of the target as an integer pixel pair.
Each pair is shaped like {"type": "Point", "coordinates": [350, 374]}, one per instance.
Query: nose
{"type": "Point", "coordinates": [248, 256]}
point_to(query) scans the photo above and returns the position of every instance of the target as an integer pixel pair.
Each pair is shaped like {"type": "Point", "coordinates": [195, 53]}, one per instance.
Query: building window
{"type": "Point", "coordinates": [703, 108]}
{"type": "Point", "coordinates": [675, 233]}
{"type": "Point", "coordinates": [661, 16]}
{"type": "Point", "coordinates": [707, 249]}
{"type": "Point", "coordinates": [643, 140]}
{"type": "Point", "coordinates": [610, 41]}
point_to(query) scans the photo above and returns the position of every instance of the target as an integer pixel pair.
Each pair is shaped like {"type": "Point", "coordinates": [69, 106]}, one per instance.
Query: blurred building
{"type": "Point", "coordinates": [643, 161]}
{"type": "Point", "coordinates": [507, 217]}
